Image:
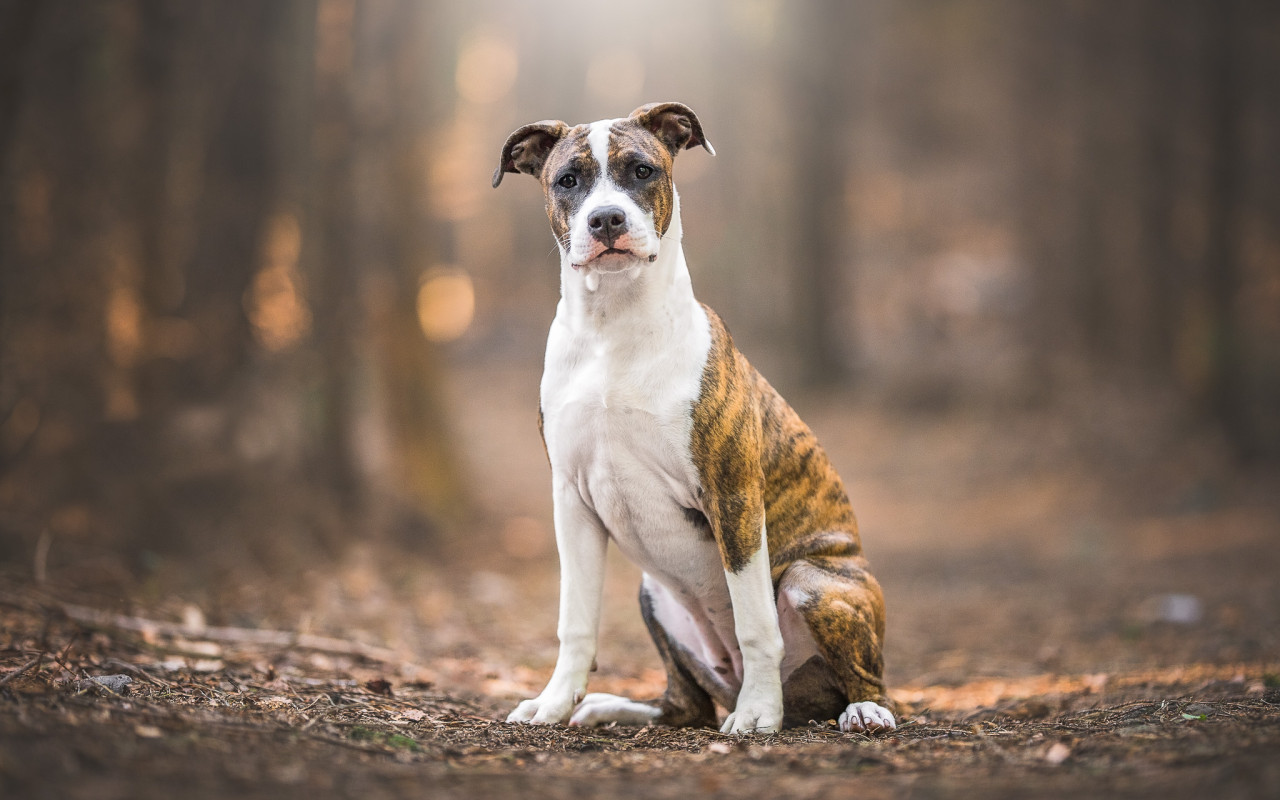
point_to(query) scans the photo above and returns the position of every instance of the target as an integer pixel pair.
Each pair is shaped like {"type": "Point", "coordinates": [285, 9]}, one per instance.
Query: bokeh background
{"type": "Point", "coordinates": [269, 342]}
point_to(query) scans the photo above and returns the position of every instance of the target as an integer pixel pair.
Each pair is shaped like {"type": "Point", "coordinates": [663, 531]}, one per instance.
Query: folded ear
{"type": "Point", "coordinates": [527, 148]}
{"type": "Point", "coordinates": [674, 124]}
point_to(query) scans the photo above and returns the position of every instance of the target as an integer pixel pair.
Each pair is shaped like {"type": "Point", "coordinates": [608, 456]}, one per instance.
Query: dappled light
{"type": "Point", "coordinates": [487, 68]}
{"type": "Point", "coordinates": [446, 304]}
{"type": "Point", "coordinates": [274, 303]}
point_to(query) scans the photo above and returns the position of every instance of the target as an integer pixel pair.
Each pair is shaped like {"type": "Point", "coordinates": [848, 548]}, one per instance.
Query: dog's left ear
{"type": "Point", "coordinates": [674, 124]}
{"type": "Point", "coordinates": [527, 148]}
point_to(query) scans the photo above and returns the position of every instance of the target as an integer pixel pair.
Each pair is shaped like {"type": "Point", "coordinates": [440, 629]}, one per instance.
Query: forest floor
{"type": "Point", "coordinates": [1075, 609]}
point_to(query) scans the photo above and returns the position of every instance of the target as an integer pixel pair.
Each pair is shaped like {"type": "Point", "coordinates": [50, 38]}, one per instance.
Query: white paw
{"type": "Point", "coordinates": [543, 710]}
{"type": "Point", "coordinates": [601, 709]}
{"type": "Point", "coordinates": [866, 717]}
{"type": "Point", "coordinates": [760, 716]}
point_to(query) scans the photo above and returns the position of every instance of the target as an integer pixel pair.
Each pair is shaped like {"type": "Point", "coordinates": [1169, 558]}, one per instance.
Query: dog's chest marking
{"type": "Point", "coordinates": [616, 417]}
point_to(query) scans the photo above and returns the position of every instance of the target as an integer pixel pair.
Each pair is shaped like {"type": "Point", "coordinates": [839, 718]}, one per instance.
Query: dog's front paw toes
{"type": "Point", "coordinates": [541, 712]}
{"type": "Point", "coordinates": [601, 709]}
{"type": "Point", "coordinates": [753, 720]}
{"type": "Point", "coordinates": [866, 717]}
{"type": "Point", "coordinates": [524, 712]}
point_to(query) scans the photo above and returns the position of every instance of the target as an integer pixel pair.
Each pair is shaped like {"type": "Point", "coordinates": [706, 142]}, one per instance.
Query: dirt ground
{"type": "Point", "coordinates": [1079, 604]}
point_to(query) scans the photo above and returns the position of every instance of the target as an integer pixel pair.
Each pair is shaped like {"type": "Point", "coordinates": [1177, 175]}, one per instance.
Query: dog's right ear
{"type": "Point", "coordinates": [527, 148]}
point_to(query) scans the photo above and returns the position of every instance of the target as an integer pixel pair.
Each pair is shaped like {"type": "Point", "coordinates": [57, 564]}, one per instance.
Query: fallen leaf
{"type": "Point", "coordinates": [379, 686]}
{"type": "Point", "coordinates": [197, 647]}
{"type": "Point", "coordinates": [148, 731]}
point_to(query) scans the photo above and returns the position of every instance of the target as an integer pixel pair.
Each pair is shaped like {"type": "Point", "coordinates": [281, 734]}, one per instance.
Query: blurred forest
{"type": "Point", "coordinates": [247, 246]}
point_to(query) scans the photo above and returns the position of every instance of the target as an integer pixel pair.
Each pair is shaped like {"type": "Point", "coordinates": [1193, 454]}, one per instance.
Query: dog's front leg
{"type": "Point", "coordinates": [755, 619]}
{"type": "Point", "coordinates": [581, 540]}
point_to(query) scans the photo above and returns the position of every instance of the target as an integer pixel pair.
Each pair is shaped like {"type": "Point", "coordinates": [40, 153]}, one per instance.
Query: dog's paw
{"type": "Point", "coordinates": [763, 716]}
{"type": "Point", "coordinates": [866, 717]}
{"type": "Point", "coordinates": [542, 711]}
{"type": "Point", "coordinates": [601, 709]}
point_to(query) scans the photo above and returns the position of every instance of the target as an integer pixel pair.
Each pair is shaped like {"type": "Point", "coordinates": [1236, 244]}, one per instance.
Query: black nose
{"type": "Point", "coordinates": [607, 224]}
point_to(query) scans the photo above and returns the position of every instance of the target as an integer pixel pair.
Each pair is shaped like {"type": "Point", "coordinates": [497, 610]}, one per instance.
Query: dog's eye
{"type": "Point", "coordinates": [643, 171]}
{"type": "Point", "coordinates": [568, 181]}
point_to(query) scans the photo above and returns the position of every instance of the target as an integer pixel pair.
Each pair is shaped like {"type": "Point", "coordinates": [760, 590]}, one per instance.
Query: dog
{"type": "Point", "coordinates": [665, 440]}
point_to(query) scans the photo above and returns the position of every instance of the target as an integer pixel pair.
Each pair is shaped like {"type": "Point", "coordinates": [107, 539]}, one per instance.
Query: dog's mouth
{"type": "Point", "coordinates": [608, 252]}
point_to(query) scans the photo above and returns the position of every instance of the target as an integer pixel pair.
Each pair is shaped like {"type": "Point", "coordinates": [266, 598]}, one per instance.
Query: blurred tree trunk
{"type": "Point", "coordinates": [1044, 63]}
{"type": "Point", "coordinates": [1161, 270]}
{"type": "Point", "coordinates": [193, 345]}
{"type": "Point", "coordinates": [820, 88]}
{"type": "Point", "coordinates": [17, 24]}
{"type": "Point", "coordinates": [1226, 87]}
{"type": "Point", "coordinates": [337, 299]}
{"type": "Point", "coordinates": [395, 57]}
{"type": "Point", "coordinates": [1091, 179]}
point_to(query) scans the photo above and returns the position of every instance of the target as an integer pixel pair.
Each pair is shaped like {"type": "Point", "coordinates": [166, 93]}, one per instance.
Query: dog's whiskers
{"type": "Point", "coordinates": [562, 243]}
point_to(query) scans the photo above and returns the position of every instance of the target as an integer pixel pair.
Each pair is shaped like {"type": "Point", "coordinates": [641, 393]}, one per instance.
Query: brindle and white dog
{"type": "Point", "coordinates": [664, 439]}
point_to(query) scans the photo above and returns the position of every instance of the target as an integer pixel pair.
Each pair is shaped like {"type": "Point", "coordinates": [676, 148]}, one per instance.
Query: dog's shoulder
{"type": "Point", "coordinates": [745, 433]}
{"type": "Point", "coordinates": [726, 419]}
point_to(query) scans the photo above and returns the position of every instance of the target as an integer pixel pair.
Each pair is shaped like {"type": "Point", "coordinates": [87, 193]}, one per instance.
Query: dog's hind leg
{"type": "Point", "coordinates": [599, 708]}
{"type": "Point", "coordinates": [843, 608]}
{"type": "Point", "coordinates": [684, 704]}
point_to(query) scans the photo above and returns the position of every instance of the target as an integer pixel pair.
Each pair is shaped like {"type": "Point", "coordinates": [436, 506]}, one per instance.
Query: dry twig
{"type": "Point", "coordinates": [252, 636]}
{"type": "Point", "coordinates": [20, 670]}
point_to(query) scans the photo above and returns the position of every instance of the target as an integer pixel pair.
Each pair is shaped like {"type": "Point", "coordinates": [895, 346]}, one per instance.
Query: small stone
{"type": "Point", "coordinates": [1181, 609]}
{"type": "Point", "coordinates": [115, 683]}
{"type": "Point", "coordinates": [1057, 753]}
{"type": "Point", "coordinates": [193, 619]}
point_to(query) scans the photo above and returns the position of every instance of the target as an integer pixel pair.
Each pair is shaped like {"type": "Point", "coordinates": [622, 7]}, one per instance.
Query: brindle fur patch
{"type": "Point", "coordinates": [844, 610]}
{"type": "Point", "coordinates": [753, 454]}
{"type": "Point", "coordinates": [631, 146]}
{"type": "Point", "coordinates": [542, 434]}
{"type": "Point", "coordinates": [699, 521]}
{"type": "Point", "coordinates": [571, 156]}
{"type": "Point", "coordinates": [726, 448]}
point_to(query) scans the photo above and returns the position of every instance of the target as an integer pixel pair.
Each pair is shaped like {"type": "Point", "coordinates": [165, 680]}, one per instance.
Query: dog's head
{"type": "Point", "coordinates": [608, 184]}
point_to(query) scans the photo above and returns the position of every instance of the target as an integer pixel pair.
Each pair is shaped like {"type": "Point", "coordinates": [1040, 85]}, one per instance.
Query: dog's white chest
{"type": "Point", "coordinates": [617, 420]}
